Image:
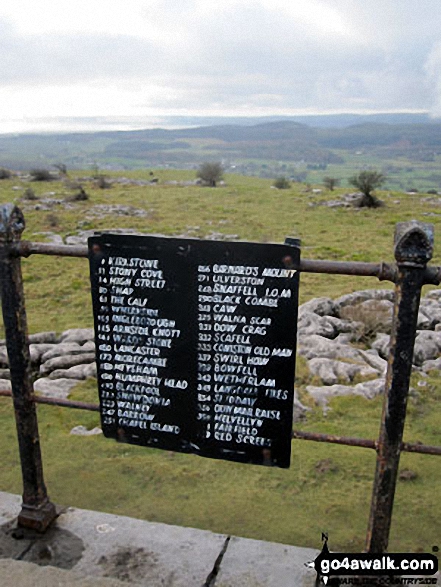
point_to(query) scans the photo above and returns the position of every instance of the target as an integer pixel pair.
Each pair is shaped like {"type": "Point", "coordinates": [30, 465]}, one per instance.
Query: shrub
{"type": "Point", "coordinates": [367, 182]}
{"type": "Point", "coordinates": [282, 183]}
{"type": "Point", "coordinates": [79, 196]}
{"type": "Point", "coordinates": [52, 220]}
{"type": "Point", "coordinates": [210, 173]}
{"type": "Point", "coordinates": [5, 173]}
{"type": "Point", "coordinates": [41, 175]}
{"type": "Point", "coordinates": [102, 182]}
{"type": "Point", "coordinates": [29, 194]}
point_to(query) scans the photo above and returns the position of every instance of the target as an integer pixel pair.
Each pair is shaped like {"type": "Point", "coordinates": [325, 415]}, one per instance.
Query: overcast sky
{"type": "Point", "coordinates": [199, 57]}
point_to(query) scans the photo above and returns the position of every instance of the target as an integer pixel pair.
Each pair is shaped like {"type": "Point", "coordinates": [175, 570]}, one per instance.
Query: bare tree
{"type": "Point", "coordinates": [330, 183]}
{"type": "Point", "coordinates": [62, 168]}
{"type": "Point", "coordinates": [367, 182]}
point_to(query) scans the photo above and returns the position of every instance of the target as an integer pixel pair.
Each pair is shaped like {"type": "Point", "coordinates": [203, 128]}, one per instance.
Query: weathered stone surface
{"type": "Point", "coordinates": [38, 350]}
{"type": "Point", "coordinates": [5, 384]}
{"type": "Point", "coordinates": [427, 346]}
{"type": "Point", "coordinates": [76, 372]}
{"type": "Point", "coordinates": [314, 346]}
{"type": "Point", "coordinates": [433, 365]}
{"type": "Point", "coordinates": [88, 346]}
{"type": "Point", "coordinates": [323, 368]}
{"type": "Point", "coordinates": [332, 371]}
{"type": "Point", "coordinates": [430, 309]}
{"type": "Point", "coordinates": [381, 344]}
{"type": "Point", "coordinates": [310, 323]}
{"type": "Point", "coordinates": [321, 306]}
{"type": "Point", "coordinates": [374, 315]}
{"type": "Point", "coordinates": [5, 374]}
{"type": "Point", "coordinates": [344, 326]}
{"type": "Point", "coordinates": [434, 294]}
{"type": "Point", "coordinates": [299, 410]}
{"type": "Point", "coordinates": [90, 370]}
{"type": "Point", "coordinates": [313, 320]}
{"type": "Point", "coordinates": [61, 349]}
{"type": "Point", "coordinates": [332, 358]}
{"type": "Point", "coordinates": [327, 326]}
{"type": "Point", "coordinates": [346, 337]}
{"type": "Point", "coordinates": [272, 565]}
{"type": "Point", "coordinates": [66, 362]}
{"type": "Point", "coordinates": [58, 388]}
{"type": "Point", "coordinates": [4, 359]}
{"type": "Point", "coordinates": [43, 337]}
{"type": "Point", "coordinates": [425, 320]}
{"type": "Point", "coordinates": [18, 573]}
{"type": "Point", "coordinates": [83, 431]}
{"type": "Point", "coordinates": [79, 335]}
{"type": "Point", "coordinates": [367, 389]}
{"type": "Point", "coordinates": [373, 359]}
{"type": "Point", "coordinates": [360, 296]}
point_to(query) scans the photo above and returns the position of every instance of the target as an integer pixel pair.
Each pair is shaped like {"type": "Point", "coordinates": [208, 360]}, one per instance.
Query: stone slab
{"type": "Point", "coordinates": [119, 551]}
{"type": "Point", "coordinates": [140, 553]}
{"type": "Point", "coordinates": [256, 563]}
{"type": "Point", "coordinates": [22, 574]}
{"type": "Point", "coordinates": [143, 553]}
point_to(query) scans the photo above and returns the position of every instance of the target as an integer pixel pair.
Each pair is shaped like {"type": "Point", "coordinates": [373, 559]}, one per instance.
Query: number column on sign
{"type": "Point", "coordinates": [104, 348]}
{"type": "Point", "coordinates": [204, 385]}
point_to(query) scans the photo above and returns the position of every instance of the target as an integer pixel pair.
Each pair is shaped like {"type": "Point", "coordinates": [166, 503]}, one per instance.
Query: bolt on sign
{"type": "Point", "coordinates": [196, 344]}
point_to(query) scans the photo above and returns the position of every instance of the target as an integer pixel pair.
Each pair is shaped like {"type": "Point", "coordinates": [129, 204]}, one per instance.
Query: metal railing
{"type": "Point", "coordinates": [413, 250]}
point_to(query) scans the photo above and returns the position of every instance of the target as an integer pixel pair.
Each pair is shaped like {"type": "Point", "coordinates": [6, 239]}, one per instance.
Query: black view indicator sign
{"type": "Point", "coordinates": [196, 344]}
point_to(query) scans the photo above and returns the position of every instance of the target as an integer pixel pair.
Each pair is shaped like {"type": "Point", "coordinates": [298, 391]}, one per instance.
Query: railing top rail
{"type": "Point", "coordinates": [383, 271]}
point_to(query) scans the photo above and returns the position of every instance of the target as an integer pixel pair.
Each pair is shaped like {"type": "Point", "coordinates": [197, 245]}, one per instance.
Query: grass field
{"type": "Point", "coordinates": [327, 488]}
{"type": "Point", "coordinates": [246, 208]}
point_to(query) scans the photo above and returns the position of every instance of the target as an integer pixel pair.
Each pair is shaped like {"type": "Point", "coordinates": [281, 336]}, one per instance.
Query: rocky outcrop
{"type": "Point", "coordinates": [58, 362]}
{"type": "Point", "coordinates": [348, 339]}
{"type": "Point", "coordinates": [367, 389]}
{"type": "Point", "coordinates": [65, 362]}
{"type": "Point", "coordinates": [59, 388]}
{"type": "Point", "coordinates": [83, 431]}
{"type": "Point", "coordinates": [344, 342]}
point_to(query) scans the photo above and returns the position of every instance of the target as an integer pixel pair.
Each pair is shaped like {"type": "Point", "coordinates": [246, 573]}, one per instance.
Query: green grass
{"type": "Point", "coordinates": [328, 487]}
{"type": "Point", "coordinates": [247, 207]}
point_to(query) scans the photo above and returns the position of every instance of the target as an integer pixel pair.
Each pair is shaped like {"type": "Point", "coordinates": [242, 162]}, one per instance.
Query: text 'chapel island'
{"type": "Point", "coordinates": [196, 344]}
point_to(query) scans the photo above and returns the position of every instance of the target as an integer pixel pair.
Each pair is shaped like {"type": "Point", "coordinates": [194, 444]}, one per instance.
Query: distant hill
{"type": "Point", "coordinates": [314, 120]}
{"type": "Point", "coordinates": [295, 146]}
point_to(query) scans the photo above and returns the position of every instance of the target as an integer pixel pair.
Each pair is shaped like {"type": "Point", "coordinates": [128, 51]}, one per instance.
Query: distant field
{"type": "Point", "coordinates": [246, 208]}
{"type": "Point", "coordinates": [328, 487]}
{"type": "Point", "coordinates": [407, 150]}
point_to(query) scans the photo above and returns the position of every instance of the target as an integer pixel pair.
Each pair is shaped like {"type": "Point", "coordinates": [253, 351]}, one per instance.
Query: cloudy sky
{"type": "Point", "coordinates": [148, 58]}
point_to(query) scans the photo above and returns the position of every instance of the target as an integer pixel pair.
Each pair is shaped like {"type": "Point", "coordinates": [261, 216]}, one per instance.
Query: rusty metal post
{"type": "Point", "coordinates": [37, 511]}
{"type": "Point", "coordinates": [413, 249]}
